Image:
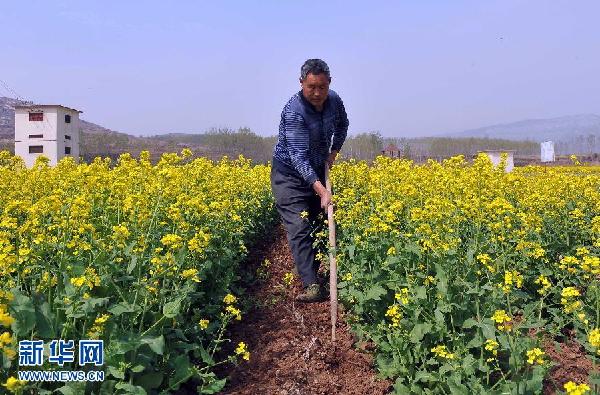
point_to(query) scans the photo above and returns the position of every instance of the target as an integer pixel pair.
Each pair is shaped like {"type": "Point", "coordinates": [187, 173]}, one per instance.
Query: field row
{"type": "Point", "coordinates": [144, 257]}
{"type": "Point", "coordinates": [464, 275]}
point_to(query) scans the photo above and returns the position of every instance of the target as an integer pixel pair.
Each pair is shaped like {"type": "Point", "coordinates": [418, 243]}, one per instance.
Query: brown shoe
{"type": "Point", "coordinates": [312, 293]}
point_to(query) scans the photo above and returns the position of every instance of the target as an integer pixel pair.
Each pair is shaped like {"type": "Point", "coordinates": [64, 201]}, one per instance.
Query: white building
{"type": "Point", "coordinates": [495, 157]}
{"type": "Point", "coordinates": [547, 151]}
{"type": "Point", "coordinates": [46, 129]}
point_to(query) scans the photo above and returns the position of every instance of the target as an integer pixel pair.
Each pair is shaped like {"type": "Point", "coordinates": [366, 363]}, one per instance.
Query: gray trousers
{"type": "Point", "coordinates": [293, 196]}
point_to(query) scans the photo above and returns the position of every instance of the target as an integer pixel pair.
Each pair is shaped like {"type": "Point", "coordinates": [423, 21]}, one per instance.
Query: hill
{"type": "Point", "coordinates": [571, 134]}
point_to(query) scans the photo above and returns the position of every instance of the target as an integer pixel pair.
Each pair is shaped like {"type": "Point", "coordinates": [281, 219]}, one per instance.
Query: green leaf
{"type": "Point", "coordinates": [351, 251]}
{"type": "Point", "coordinates": [121, 308]}
{"type": "Point", "coordinates": [73, 388]}
{"type": "Point", "coordinates": [171, 309]}
{"type": "Point", "coordinates": [116, 372]}
{"type": "Point", "coordinates": [475, 342]}
{"type": "Point", "coordinates": [213, 387]}
{"type": "Point", "coordinates": [414, 248]}
{"type": "Point", "coordinates": [456, 387]}
{"type": "Point", "coordinates": [90, 305]}
{"type": "Point", "coordinates": [138, 368]}
{"type": "Point", "coordinates": [43, 318]}
{"type": "Point", "coordinates": [417, 333]}
{"type": "Point", "coordinates": [150, 380]}
{"type": "Point", "coordinates": [66, 390]}
{"type": "Point", "coordinates": [183, 371]}
{"type": "Point", "coordinates": [375, 293]}
{"type": "Point", "coordinates": [424, 377]}
{"type": "Point", "coordinates": [131, 389]}
{"type": "Point", "coordinates": [420, 293]}
{"type": "Point", "coordinates": [206, 358]}
{"type": "Point", "coordinates": [24, 313]}
{"type": "Point", "coordinates": [132, 264]}
{"type": "Point", "coordinates": [470, 255]}
{"type": "Point", "coordinates": [442, 279]}
{"type": "Point", "coordinates": [468, 364]}
{"type": "Point", "coordinates": [469, 323]}
{"type": "Point", "coordinates": [439, 317]}
{"type": "Point", "coordinates": [157, 344]}
{"type": "Point", "coordinates": [120, 347]}
{"type": "Point", "coordinates": [488, 329]}
{"type": "Point", "coordinates": [399, 387]}
{"type": "Point", "coordinates": [445, 369]}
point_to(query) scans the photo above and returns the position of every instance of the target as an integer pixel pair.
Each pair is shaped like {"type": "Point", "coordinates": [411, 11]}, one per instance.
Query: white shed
{"type": "Point", "coordinates": [51, 130]}
{"type": "Point", "coordinates": [495, 157]}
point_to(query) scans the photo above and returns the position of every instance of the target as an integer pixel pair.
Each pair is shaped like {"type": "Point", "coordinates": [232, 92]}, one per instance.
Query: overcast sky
{"type": "Point", "coordinates": [402, 68]}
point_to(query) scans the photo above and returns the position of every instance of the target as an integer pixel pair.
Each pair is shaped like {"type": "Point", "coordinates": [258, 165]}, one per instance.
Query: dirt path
{"type": "Point", "coordinates": [290, 343]}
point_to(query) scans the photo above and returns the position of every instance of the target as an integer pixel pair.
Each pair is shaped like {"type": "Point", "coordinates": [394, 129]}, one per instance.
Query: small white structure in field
{"type": "Point", "coordinates": [51, 130]}
{"type": "Point", "coordinates": [495, 157]}
{"type": "Point", "coordinates": [547, 148]}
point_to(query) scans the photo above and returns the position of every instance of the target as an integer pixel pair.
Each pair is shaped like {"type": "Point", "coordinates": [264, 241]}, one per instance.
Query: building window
{"type": "Point", "coordinates": [67, 137]}
{"type": "Point", "coordinates": [67, 118]}
{"type": "Point", "coordinates": [36, 149]}
{"type": "Point", "coordinates": [36, 136]}
{"type": "Point", "coordinates": [67, 150]}
{"type": "Point", "coordinates": [36, 116]}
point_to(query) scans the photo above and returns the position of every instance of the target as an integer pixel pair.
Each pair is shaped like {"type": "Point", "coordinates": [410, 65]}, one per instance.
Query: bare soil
{"type": "Point", "coordinates": [571, 364]}
{"type": "Point", "coordinates": [290, 343]}
{"type": "Point", "coordinates": [291, 347]}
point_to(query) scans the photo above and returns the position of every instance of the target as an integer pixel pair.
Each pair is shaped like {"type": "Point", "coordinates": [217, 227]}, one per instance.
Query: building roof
{"type": "Point", "coordinates": [33, 106]}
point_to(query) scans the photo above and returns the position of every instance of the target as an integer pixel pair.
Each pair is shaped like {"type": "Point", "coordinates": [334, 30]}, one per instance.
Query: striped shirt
{"type": "Point", "coordinates": [307, 135]}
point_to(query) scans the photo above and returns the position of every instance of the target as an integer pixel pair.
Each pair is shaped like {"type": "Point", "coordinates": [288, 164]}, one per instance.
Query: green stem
{"type": "Point", "coordinates": [153, 326]}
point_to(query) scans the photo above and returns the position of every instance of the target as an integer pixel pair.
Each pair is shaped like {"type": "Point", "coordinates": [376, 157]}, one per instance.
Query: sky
{"type": "Point", "coordinates": [403, 68]}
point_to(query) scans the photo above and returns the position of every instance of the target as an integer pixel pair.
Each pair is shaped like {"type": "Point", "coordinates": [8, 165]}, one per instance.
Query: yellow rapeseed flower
{"type": "Point", "coordinates": [502, 320]}
{"type": "Point", "coordinates": [569, 299]}
{"type": "Point", "coordinates": [5, 319]}
{"type": "Point", "coordinates": [13, 384]}
{"type": "Point", "coordinates": [544, 283]}
{"type": "Point", "coordinates": [190, 274]}
{"type": "Point", "coordinates": [576, 389]}
{"type": "Point", "coordinates": [203, 324]}
{"type": "Point", "coordinates": [402, 296]}
{"type": "Point", "coordinates": [535, 356]}
{"type": "Point", "coordinates": [442, 352]}
{"type": "Point", "coordinates": [594, 339]}
{"type": "Point", "coordinates": [229, 299]}
{"type": "Point", "coordinates": [243, 351]}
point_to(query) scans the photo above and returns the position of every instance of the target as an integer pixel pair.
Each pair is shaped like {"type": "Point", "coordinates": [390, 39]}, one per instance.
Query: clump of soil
{"type": "Point", "coordinates": [290, 343]}
{"type": "Point", "coordinates": [572, 364]}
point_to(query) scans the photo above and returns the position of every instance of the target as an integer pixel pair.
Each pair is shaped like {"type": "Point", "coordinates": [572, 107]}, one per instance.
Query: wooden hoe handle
{"type": "Point", "coordinates": [332, 262]}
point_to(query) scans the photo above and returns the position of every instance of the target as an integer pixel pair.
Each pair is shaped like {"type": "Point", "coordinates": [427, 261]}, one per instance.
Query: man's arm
{"type": "Point", "coordinates": [341, 130]}
{"type": "Point", "coordinates": [297, 137]}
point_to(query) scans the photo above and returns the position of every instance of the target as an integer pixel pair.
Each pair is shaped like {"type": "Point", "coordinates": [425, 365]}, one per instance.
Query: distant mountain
{"type": "Point", "coordinates": [7, 117]}
{"type": "Point", "coordinates": [557, 129]}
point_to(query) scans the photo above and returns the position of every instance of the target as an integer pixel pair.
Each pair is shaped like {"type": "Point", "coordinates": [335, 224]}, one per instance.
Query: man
{"type": "Point", "coordinates": [312, 130]}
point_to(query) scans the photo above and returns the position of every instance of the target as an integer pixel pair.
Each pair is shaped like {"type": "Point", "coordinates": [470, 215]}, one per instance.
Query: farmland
{"type": "Point", "coordinates": [464, 279]}
{"type": "Point", "coordinates": [143, 257]}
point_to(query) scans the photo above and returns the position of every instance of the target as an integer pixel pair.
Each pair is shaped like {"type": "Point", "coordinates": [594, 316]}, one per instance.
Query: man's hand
{"type": "Point", "coordinates": [323, 193]}
{"type": "Point", "coordinates": [325, 200]}
{"type": "Point", "coordinates": [331, 159]}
